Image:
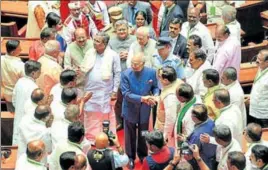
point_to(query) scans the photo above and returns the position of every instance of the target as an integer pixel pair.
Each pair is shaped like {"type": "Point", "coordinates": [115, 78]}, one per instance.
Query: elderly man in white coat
{"type": "Point", "coordinates": [230, 114]}
{"type": "Point", "coordinates": [35, 127]}
{"type": "Point", "coordinates": [36, 151]}
{"type": "Point", "coordinates": [22, 92]}
{"type": "Point", "coordinates": [198, 63]}
{"type": "Point", "coordinates": [230, 82]}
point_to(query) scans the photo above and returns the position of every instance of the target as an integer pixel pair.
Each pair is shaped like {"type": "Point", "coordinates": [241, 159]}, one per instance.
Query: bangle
{"type": "Point", "coordinates": [118, 146]}
{"type": "Point", "coordinates": [198, 159]}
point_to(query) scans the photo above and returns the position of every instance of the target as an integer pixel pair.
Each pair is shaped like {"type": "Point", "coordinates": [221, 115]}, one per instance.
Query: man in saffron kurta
{"type": "Point", "coordinates": [138, 83]}
{"type": "Point", "coordinates": [168, 103]}
{"type": "Point", "coordinates": [101, 67]}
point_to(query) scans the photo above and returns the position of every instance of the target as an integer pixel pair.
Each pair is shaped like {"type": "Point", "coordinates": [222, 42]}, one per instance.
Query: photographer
{"type": "Point", "coordinates": [104, 158]}
{"type": "Point", "coordinates": [177, 158]}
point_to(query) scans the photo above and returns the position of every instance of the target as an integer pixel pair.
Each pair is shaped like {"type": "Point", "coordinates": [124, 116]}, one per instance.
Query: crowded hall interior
{"type": "Point", "coordinates": [134, 85]}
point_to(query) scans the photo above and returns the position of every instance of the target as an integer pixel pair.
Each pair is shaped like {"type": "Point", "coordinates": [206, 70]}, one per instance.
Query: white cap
{"type": "Point", "coordinates": [74, 5]}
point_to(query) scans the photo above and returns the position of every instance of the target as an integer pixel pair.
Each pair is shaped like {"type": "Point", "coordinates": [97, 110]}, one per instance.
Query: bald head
{"type": "Point", "coordinates": [102, 141]}
{"type": "Point", "coordinates": [71, 113]}
{"type": "Point", "coordinates": [222, 32]}
{"type": "Point", "coordinates": [254, 131]}
{"type": "Point", "coordinates": [143, 31]}
{"type": "Point", "coordinates": [137, 62]}
{"type": "Point", "coordinates": [223, 96]}
{"type": "Point", "coordinates": [193, 16]}
{"type": "Point", "coordinates": [81, 162]}
{"type": "Point", "coordinates": [52, 48]}
{"type": "Point", "coordinates": [37, 96]}
{"type": "Point", "coordinates": [35, 150]}
{"type": "Point", "coordinates": [42, 111]}
{"type": "Point", "coordinates": [80, 37]}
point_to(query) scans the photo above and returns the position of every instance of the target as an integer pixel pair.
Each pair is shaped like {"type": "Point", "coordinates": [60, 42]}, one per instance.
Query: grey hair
{"type": "Point", "coordinates": [223, 96]}
{"type": "Point", "coordinates": [105, 37]}
{"type": "Point", "coordinates": [230, 73]}
{"type": "Point", "coordinates": [121, 22]}
{"type": "Point", "coordinates": [51, 46]}
{"type": "Point", "coordinates": [71, 111]}
{"type": "Point", "coordinates": [229, 13]}
{"type": "Point", "coordinates": [200, 54]}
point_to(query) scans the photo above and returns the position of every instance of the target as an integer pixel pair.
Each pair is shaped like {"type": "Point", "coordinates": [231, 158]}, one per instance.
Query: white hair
{"type": "Point", "coordinates": [51, 46]}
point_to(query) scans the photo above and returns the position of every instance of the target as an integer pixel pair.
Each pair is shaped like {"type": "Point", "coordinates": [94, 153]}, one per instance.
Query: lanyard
{"type": "Point", "coordinates": [260, 76]}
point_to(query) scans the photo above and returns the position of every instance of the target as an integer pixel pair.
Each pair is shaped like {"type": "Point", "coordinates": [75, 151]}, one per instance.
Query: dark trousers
{"type": "Point", "coordinates": [131, 139]}
{"type": "Point", "coordinates": [118, 107]}
{"type": "Point", "coordinates": [262, 122]}
{"type": "Point", "coordinates": [10, 107]}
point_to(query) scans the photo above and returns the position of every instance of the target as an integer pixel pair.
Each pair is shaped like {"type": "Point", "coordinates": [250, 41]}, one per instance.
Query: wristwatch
{"type": "Point", "coordinates": [172, 164]}
{"type": "Point", "coordinates": [198, 159]}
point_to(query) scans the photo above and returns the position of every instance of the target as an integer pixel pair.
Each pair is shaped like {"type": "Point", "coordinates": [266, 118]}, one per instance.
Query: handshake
{"type": "Point", "coordinates": [149, 100]}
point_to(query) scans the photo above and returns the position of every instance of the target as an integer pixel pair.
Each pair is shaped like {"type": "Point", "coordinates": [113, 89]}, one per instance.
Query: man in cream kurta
{"type": "Point", "coordinates": [50, 71]}
{"type": "Point", "coordinates": [144, 45]}
{"type": "Point", "coordinates": [76, 51]}
{"type": "Point", "coordinates": [230, 82]}
{"type": "Point", "coordinates": [168, 104]}
{"type": "Point", "coordinates": [101, 68]}
{"type": "Point", "coordinates": [22, 92]}
{"type": "Point", "coordinates": [230, 115]}
{"type": "Point", "coordinates": [198, 62]}
{"type": "Point", "coordinates": [259, 93]}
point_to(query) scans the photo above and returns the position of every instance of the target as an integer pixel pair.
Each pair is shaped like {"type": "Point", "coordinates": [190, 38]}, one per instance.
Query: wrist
{"type": "Point", "coordinates": [173, 163]}
{"type": "Point", "coordinates": [198, 158]}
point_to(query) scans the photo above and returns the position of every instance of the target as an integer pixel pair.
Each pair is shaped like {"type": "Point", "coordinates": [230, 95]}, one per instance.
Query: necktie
{"type": "Point", "coordinates": [132, 15]}
{"type": "Point", "coordinates": [164, 18]}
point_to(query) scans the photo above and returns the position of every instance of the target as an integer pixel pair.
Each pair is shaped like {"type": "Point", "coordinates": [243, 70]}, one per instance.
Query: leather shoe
{"type": "Point", "coordinates": [119, 127]}
{"type": "Point", "coordinates": [131, 164]}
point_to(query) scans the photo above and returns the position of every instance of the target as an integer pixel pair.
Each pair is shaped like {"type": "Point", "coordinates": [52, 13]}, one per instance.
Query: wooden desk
{"type": "Point", "coordinates": [7, 119]}
{"type": "Point", "coordinates": [25, 45]}
{"type": "Point", "coordinates": [212, 28]}
{"type": "Point", "coordinates": [10, 163]}
{"type": "Point", "coordinates": [247, 73]}
{"type": "Point", "coordinates": [14, 8]}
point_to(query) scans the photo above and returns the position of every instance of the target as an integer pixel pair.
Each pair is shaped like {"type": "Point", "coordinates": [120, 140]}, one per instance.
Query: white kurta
{"type": "Point", "coordinates": [248, 153]}
{"type": "Point", "coordinates": [100, 6]}
{"type": "Point", "coordinates": [24, 163]}
{"type": "Point", "coordinates": [58, 109]}
{"type": "Point", "coordinates": [235, 29]}
{"type": "Point", "coordinates": [21, 93]}
{"type": "Point", "coordinates": [56, 92]}
{"type": "Point", "coordinates": [202, 31]}
{"type": "Point", "coordinates": [196, 80]}
{"type": "Point", "coordinates": [259, 96]}
{"type": "Point", "coordinates": [237, 98]}
{"type": "Point", "coordinates": [222, 153]}
{"type": "Point", "coordinates": [231, 116]}
{"type": "Point", "coordinates": [61, 147]}
{"type": "Point", "coordinates": [31, 129]}
{"type": "Point", "coordinates": [29, 107]}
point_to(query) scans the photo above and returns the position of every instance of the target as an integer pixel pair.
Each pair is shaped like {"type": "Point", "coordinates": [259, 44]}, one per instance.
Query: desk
{"type": "Point", "coordinates": [10, 163]}
{"type": "Point", "coordinates": [212, 28]}
{"type": "Point", "coordinates": [7, 119]}
{"type": "Point", "coordinates": [25, 46]}
{"type": "Point", "coordinates": [247, 73]}
{"type": "Point", "coordinates": [14, 8]}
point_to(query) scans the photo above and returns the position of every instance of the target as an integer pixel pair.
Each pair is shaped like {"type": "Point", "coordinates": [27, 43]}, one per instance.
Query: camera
{"type": "Point", "coordinates": [106, 129]}
{"type": "Point", "coordinates": [185, 149]}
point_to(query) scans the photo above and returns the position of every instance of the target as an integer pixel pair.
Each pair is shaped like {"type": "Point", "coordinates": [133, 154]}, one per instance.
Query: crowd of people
{"type": "Point", "coordinates": [172, 89]}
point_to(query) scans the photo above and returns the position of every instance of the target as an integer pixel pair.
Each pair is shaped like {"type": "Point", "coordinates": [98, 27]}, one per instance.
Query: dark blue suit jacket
{"type": "Point", "coordinates": [180, 48]}
{"type": "Point", "coordinates": [133, 88]}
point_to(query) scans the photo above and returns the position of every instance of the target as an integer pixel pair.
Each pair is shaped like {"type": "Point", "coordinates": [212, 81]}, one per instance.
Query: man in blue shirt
{"type": "Point", "coordinates": [165, 57]}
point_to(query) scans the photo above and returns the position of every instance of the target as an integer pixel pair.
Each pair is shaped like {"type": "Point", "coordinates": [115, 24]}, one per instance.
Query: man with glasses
{"type": "Point", "coordinates": [75, 20]}
{"type": "Point", "coordinates": [76, 51]}
{"type": "Point", "coordinates": [139, 88]}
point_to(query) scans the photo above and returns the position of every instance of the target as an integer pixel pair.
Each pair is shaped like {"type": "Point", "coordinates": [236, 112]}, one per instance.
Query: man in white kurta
{"type": "Point", "coordinates": [253, 135]}
{"type": "Point", "coordinates": [194, 26]}
{"type": "Point", "coordinates": [144, 45]}
{"type": "Point", "coordinates": [230, 82]}
{"type": "Point", "coordinates": [75, 131]}
{"type": "Point", "coordinates": [258, 108]}
{"type": "Point", "coordinates": [101, 68]}
{"type": "Point", "coordinates": [35, 128]}
{"type": "Point", "coordinates": [22, 92]}
{"type": "Point", "coordinates": [32, 159]}
{"type": "Point", "coordinates": [230, 114]}
{"type": "Point", "coordinates": [198, 63]}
